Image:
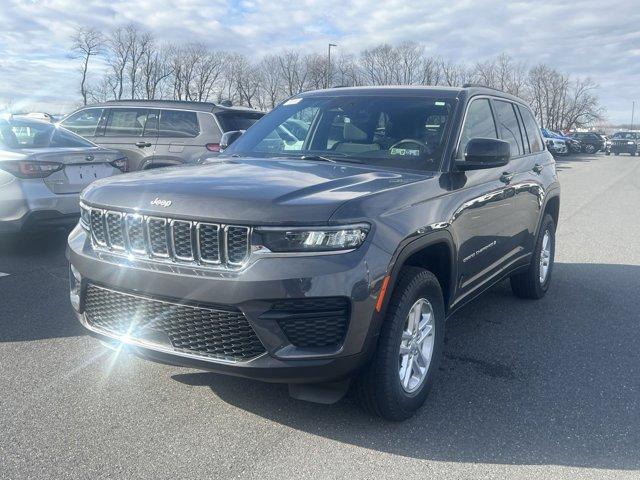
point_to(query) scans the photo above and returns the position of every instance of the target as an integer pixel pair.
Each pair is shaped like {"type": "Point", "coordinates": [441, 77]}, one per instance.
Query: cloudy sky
{"type": "Point", "coordinates": [586, 38]}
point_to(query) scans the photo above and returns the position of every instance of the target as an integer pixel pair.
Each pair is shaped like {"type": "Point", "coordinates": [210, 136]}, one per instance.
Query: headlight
{"type": "Point", "coordinates": [85, 216]}
{"type": "Point", "coordinates": [312, 239]}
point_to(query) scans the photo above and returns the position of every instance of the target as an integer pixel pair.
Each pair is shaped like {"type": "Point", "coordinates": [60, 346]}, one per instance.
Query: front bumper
{"type": "Point", "coordinates": [252, 291]}
{"type": "Point", "coordinates": [29, 203]}
{"type": "Point", "coordinates": [624, 148]}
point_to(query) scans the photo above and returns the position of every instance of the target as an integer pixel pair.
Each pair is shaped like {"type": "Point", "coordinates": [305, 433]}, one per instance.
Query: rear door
{"type": "Point", "coordinates": [530, 169]}
{"type": "Point", "coordinates": [133, 131]}
{"type": "Point", "coordinates": [181, 138]}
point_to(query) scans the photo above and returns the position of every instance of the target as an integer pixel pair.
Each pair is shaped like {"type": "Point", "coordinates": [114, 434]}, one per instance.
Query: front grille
{"type": "Point", "coordinates": [312, 322]}
{"type": "Point", "coordinates": [174, 240]}
{"type": "Point", "coordinates": [197, 330]}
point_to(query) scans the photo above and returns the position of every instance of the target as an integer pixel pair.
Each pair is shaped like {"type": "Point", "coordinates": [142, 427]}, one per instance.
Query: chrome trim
{"type": "Point", "coordinates": [172, 239]}
{"type": "Point", "coordinates": [107, 234]}
{"type": "Point", "coordinates": [153, 254]}
{"type": "Point", "coordinates": [135, 216]}
{"type": "Point", "coordinates": [154, 346]}
{"type": "Point", "coordinates": [220, 245]}
{"type": "Point", "coordinates": [94, 239]}
{"type": "Point", "coordinates": [226, 245]}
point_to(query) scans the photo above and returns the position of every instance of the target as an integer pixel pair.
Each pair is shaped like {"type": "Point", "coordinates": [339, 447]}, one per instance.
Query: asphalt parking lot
{"type": "Point", "coordinates": [547, 389]}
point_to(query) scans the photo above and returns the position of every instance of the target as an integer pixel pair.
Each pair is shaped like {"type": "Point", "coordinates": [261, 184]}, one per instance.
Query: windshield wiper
{"type": "Point", "coordinates": [317, 158]}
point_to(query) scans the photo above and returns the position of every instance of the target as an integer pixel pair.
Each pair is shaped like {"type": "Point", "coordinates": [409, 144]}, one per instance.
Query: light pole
{"type": "Point", "coordinates": [329, 64]}
{"type": "Point", "coordinates": [633, 111]}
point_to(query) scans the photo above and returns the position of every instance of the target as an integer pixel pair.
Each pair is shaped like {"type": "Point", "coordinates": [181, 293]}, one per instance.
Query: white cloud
{"type": "Point", "coordinates": [587, 39]}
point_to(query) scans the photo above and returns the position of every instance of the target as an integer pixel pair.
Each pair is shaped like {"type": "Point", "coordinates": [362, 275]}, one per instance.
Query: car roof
{"type": "Point", "coordinates": [469, 90]}
{"type": "Point", "coordinates": [175, 104]}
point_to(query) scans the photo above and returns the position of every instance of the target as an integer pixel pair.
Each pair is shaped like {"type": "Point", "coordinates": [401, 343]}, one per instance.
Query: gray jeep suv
{"type": "Point", "coordinates": [329, 255]}
{"type": "Point", "coordinates": [159, 133]}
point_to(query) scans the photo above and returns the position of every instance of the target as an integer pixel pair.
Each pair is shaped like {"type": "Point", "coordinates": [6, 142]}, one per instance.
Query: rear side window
{"type": "Point", "coordinates": [83, 122]}
{"type": "Point", "coordinates": [126, 122]}
{"type": "Point", "coordinates": [478, 124]}
{"type": "Point", "coordinates": [532, 130]}
{"type": "Point", "coordinates": [178, 124]}
{"type": "Point", "coordinates": [508, 126]}
{"type": "Point", "coordinates": [237, 119]}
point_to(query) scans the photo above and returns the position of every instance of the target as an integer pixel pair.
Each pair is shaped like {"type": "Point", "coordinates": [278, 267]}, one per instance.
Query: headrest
{"type": "Point", "coordinates": [351, 133]}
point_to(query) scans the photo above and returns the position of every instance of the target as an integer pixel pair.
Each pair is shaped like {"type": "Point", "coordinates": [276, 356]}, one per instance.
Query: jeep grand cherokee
{"type": "Point", "coordinates": [329, 255]}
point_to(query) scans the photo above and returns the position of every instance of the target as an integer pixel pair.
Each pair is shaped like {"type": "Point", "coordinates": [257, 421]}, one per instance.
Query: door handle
{"type": "Point", "coordinates": [506, 177]}
{"type": "Point", "coordinates": [143, 144]}
{"type": "Point", "coordinates": [537, 168]}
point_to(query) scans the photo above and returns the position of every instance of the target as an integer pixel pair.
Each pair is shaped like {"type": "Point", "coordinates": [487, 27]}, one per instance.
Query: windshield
{"type": "Point", "coordinates": [389, 131]}
{"type": "Point", "coordinates": [17, 133]}
{"type": "Point", "coordinates": [625, 135]}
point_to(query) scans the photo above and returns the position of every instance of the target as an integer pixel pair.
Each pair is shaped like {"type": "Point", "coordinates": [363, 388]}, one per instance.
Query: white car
{"type": "Point", "coordinates": [43, 168]}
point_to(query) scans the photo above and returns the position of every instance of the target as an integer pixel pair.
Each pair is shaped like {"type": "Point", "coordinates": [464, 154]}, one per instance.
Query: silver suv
{"type": "Point", "coordinates": [159, 133]}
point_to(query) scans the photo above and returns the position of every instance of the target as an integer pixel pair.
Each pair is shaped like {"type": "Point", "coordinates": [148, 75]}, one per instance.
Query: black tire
{"type": "Point", "coordinates": [590, 149]}
{"type": "Point", "coordinates": [527, 284]}
{"type": "Point", "coordinates": [378, 387]}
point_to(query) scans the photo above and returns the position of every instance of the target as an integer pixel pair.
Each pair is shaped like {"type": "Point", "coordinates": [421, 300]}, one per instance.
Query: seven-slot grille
{"type": "Point", "coordinates": [170, 239]}
{"type": "Point", "coordinates": [198, 330]}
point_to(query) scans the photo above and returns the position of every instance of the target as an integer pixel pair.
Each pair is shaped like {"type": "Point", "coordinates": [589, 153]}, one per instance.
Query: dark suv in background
{"type": "Point", "coordinates": [331, 254]}
{"type": "Point", "coordinates": [625, 142]}
{"type": "Point", "coordinates": [159, 133]}
{"type": "Point", "coordinates": [591, 142]}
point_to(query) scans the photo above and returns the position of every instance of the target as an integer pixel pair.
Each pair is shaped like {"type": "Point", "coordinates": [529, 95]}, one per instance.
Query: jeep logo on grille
{"type": "Point", "coordinates": [158, 202]}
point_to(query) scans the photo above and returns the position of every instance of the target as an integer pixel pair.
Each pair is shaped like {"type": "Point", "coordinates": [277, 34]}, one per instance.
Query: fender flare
{"type": "Point", "coordinates": [407, 248]}
{"type": "Point", "coordinates": [551, 193]}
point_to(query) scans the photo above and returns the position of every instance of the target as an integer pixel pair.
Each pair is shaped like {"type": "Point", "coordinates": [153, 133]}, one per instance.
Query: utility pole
{"type": "Point", "coordinates": [633, 110]}
{"type": "Point", "coordinates": [329, 64]}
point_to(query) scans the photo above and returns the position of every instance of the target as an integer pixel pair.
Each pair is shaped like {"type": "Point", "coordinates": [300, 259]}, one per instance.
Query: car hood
{"type": "Point", "coordinates": [249, 191]}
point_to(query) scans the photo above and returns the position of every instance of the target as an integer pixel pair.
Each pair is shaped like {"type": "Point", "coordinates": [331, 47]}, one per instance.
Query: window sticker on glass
{"type": "Point", "coordinates": [406, 152]}
{"type": "Point", "coordinates": [440, 104]}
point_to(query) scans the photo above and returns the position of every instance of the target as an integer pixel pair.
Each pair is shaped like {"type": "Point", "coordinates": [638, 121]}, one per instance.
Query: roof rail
{"type": "Point", "coordinates": [479, 85]}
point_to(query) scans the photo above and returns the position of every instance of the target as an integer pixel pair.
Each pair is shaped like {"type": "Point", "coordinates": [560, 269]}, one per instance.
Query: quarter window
{"type": "Point", "coordinates": [178, 124]}
{"type": "Point", "coordinates": [532, 130]}
{"type": "Point", "coordinates": [126, 122]}
{"type": "Point", "coordinates": [478, 124]}
{"type": "Point", "coordinates": [508, 126]}
{"type": "Point", "coordinates": [83, 122]}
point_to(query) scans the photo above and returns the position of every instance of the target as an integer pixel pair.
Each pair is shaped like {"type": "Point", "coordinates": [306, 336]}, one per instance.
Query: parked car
{"type": "Point", "coordinates": [573, 145]}
{"type": "Point", "coordinates": [339, 258]}
{"type": "Point", "coordinates": [555, 144]}
{"type": "Point", "coordinates": [159, 133]}
{"type": "Point", "coordinates": [625, 142]}
{"type": "Point", "coordinates": [42, 170]}
{"type": "Point", "coordinates": [591, 142]}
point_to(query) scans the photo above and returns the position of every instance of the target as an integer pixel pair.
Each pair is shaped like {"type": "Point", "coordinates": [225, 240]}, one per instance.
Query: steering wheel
{"type": "Point", "coordinates": [423, 146]}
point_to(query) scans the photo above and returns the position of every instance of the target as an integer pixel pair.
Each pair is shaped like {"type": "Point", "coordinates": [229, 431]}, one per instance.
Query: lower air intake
{"type": "Point", "coordinates": [197, 330]}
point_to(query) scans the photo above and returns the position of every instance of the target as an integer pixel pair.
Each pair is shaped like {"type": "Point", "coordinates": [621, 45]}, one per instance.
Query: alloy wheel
{"type": "Point", "coordinates": [416, 347]}
{"type": "Point", "coordinates": [545, 257]}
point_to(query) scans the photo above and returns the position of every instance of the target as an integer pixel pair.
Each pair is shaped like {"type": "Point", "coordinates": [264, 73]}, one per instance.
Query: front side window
{"type": "Point", "coordinates": [478, 124]}
{"type": "Point", "coordinates": [532, 130]}
{"type": "Point", "coordinates": [389, 131]}
{"type": "Point", "coordinates": [178, 124]}
{"type": "Point", "coordinates": [508, 126]}
{"type": "Point", "coordinates": [83, 122]}
{"type": "Point", "coordinates": [126, 122]}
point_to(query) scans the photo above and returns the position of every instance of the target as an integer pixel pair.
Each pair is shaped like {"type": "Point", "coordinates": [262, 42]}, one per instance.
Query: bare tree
{"type": "Point", "coordinates": [119, 54]}
{"type": "Point", "coordinates": [270, 85]}
{"type": "Point", "coordinates": [86, 43]}
{"type": "Point", "coordinates": [294, 72]}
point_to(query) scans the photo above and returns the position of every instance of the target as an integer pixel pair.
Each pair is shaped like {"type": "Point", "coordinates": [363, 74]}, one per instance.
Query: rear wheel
{"type": "Point", "coordinates": [399, 378]}
{"type": "Point", "coordinates": [534, 282]}
{"type": "Point", "coordinates": [590, 149]}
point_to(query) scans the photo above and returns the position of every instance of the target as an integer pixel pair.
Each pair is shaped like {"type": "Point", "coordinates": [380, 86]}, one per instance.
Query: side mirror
{"type": "Point", "coordinates": [484, 153]}
{"type": "Point", "coordinates": [229, 137]}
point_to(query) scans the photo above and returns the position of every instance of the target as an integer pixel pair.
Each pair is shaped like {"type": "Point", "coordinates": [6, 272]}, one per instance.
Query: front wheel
{"type": "Point", "coordinates": [399, 378]}
{"type": "Point", "coordinates": [590, 149]}
{"type": "Point", "coordinates": [534, 282]}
